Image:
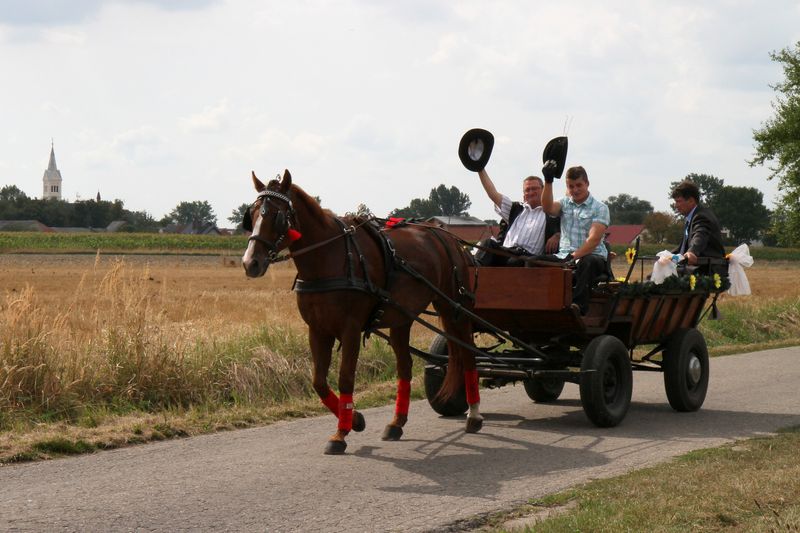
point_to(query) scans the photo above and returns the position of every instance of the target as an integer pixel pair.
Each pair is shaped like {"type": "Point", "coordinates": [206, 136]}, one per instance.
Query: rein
{"type": "Point", "coordinates": [291, 255]}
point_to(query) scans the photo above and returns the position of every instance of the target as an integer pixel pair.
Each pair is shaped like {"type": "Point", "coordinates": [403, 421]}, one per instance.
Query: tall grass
{"type": "Point", "coordinates": [119, 349]}
{"type": "Point", "coordinates": [753, 321]}
{"type": "Point", "coordinates": [90, 242]}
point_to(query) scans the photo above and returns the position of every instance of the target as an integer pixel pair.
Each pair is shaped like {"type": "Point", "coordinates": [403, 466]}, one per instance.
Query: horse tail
{"type": "Point", "coordinates": [454, 377]}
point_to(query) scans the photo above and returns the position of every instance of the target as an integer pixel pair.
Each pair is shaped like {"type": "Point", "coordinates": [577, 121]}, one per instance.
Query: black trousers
{"type": "Point", "coordinates": [487, 258]}
{"type": "Point", "coordinates": [589, 269]}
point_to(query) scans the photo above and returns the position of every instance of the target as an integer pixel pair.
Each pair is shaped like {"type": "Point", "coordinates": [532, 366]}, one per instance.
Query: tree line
{"type": "Point", "coordinates": [16, 205]}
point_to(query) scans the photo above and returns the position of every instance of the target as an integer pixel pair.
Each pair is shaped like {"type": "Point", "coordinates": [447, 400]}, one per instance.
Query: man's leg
{"type": "Point", "coordinates": [588, 270]}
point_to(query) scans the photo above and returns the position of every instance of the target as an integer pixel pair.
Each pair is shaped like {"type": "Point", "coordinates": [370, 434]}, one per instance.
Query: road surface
{"type": "Point", "coordinates": [276, 478]}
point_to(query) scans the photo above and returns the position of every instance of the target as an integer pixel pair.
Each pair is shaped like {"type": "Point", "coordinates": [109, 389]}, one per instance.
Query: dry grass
{"type": "Point", "coordinates": [87, 342]}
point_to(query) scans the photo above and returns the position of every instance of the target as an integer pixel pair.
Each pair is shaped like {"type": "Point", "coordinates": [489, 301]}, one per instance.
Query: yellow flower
{"type": "Point", "coordinates": [621, 279]}
{"type": "Point", "coordinates": [717, 281]}
{"type": "Point", "coordinates": [630, 253]}
{"type": "Point", "coordinates": [692, 282]}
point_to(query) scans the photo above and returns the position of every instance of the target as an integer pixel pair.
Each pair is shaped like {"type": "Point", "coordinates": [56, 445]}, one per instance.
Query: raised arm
{"type": "Point", "coordinates": [550, 207]}
{"type": "Point", "coordinates": [488, 186]}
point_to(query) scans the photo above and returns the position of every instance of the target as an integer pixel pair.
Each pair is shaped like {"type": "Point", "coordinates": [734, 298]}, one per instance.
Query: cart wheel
{"type": "Point", "coordinates": [606, 392]}
{"type": "Point", "coordinates": [686, 370]}
{"type": "Point", "coordinates": [543, 390]}
{"type": "Point", "coordinates": [434, 377]}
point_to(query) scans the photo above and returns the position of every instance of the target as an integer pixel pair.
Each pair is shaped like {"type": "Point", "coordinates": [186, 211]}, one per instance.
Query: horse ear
{"type": "Point", "coordinates": [259, 186]}
{"type": "Point", "coordinates": [286, 182]}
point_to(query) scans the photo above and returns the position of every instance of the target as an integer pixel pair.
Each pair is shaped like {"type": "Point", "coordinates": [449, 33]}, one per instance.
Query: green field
{"type": "Point", "coordinates": [110, 242]}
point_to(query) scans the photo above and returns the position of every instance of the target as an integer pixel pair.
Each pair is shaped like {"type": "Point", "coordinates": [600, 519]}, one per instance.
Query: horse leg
{"type": "Point", "coordinates": [321, 348]}
{"type": "Point", "coordinates": [399, 338]}
{"type": "Point", "coordinates": [462, 330]}
{"type": "Point", "coordinates": [347, 375]}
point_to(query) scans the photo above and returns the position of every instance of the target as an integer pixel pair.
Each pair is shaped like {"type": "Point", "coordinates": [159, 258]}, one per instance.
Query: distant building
{"type": "Point", "coordinates": [623, 233]}
{"type": "Point", "coordinates": [51, 181]}
{"type": "Point", "coordinates": [470, 229]}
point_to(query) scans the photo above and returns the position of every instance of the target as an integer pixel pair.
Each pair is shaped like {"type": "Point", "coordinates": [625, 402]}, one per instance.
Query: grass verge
{"type": "Point", "coordinates": [749, 485]}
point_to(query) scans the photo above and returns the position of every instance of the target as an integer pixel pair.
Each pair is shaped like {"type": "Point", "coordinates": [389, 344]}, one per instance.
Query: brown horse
{"type": "Point", "coordinates": [348, 282]}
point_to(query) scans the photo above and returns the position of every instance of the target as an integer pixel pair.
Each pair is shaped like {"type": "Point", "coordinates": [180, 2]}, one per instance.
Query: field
{"type": "Point", "coordinates": [100, 350]}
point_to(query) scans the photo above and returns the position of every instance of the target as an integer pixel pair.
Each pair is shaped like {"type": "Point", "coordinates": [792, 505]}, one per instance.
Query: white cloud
{"type": "Point", "coordinates": [212, 118]}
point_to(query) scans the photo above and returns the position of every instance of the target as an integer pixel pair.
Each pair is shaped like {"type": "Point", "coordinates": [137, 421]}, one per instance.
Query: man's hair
{"type": "Point", "coordinates": [577, 173]}
{"type": "Point", "coordinates": [534, 178]}
{"type": "Point", "coordinates": [687, 189]}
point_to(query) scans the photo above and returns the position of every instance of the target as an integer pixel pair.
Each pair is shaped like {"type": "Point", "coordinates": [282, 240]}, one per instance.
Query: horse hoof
{"type": "Point", "coordinates": [335, 447]}
{"type": "Point", "coordinates": [359, 423]}
{"type": "Point", "coordinates": [474, 425]}
{"type": "Point", "coordinates": [392, 433]}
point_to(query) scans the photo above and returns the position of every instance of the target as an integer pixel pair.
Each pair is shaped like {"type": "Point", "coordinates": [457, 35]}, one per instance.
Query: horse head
{"type": "Point", "coordinates": [269, 219]}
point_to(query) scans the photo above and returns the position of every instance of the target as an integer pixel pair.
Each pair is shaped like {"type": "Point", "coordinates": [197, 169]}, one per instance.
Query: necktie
{"type": "Point", "coordinates": [685, 241]}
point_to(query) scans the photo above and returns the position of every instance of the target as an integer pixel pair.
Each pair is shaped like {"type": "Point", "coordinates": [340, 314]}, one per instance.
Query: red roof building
{"type": "Point", "coordinates": [623, 233]}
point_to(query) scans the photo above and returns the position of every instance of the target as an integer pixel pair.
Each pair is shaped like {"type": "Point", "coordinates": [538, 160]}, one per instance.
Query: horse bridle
{"type": "Point", "coordinates": [281, 224]}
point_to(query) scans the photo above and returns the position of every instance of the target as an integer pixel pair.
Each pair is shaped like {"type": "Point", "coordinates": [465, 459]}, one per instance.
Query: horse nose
{"type": "Point", "coordinates": [251, 268]}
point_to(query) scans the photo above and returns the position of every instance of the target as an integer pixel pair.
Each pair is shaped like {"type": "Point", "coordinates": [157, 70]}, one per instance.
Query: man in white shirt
{"type": "Point", "coordinates": [530, 231]}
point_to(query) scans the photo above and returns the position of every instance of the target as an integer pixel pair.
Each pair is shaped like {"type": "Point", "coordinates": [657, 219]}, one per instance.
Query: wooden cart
{"type": "Point", "coordinates": [547, 343]}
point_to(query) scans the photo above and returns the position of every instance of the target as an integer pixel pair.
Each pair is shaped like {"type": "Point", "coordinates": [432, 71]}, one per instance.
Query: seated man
{"type": "Point", "coordinates": [701, 232]}
{"type": "Point", "coordinates": [584, 221]}
{"type": "Point", "coordinates": [529, 231]}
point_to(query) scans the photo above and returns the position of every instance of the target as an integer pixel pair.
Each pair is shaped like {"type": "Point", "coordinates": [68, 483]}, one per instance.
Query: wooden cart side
{"type": "Point", "coordinates": [655, 317]}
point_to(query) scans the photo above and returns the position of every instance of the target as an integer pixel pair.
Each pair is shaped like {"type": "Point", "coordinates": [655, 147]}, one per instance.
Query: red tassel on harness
{"type": "Point", "coordinates": [471, 384]}
{"type": "Point", "coordinates": [393, 221]}
{"type": "Point", "coordinates": [293, 234]}
{"type": "Point", "coordinates": [331, 401]}
{"type": "Point", "coordinates": [403, 397]}
{"type": "Point", "coordinates": [346, 412]}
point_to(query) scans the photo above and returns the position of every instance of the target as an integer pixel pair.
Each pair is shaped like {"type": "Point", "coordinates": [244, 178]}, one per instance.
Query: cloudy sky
{"type": "Point", "coordinates": [156, 102]}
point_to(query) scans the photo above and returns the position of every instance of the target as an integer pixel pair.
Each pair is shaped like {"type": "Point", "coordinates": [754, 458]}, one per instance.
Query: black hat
{"type": "Point", "coordinates": [475, 148]}
{"type": "Point", "coordinates": [556, 150]}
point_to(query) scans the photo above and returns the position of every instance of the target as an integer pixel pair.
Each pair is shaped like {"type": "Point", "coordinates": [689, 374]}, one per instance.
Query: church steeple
{"type": "Point", "coordinates": [51, 181]}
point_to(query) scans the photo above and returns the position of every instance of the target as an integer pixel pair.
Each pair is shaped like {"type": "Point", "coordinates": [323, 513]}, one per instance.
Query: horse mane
{"type": "Point", "coordinates": [311, 203]}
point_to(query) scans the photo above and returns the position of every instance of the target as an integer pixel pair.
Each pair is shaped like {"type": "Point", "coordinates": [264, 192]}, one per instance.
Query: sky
{"type": "Point", "coordinates": [157, 102]}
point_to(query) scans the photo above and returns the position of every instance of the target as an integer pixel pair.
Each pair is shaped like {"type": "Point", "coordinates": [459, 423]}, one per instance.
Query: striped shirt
{"type": "Point", "coordinates": [577, 220]}
{"type": "Point", "coordinates": [527, 231]}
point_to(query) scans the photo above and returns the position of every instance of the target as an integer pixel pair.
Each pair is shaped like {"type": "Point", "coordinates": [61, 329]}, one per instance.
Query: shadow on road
{"type": "Point", "coordinates": [512, 446]}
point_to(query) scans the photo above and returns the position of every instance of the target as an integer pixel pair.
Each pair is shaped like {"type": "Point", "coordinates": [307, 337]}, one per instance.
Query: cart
{"type": "Point", "coordinates": [540, 338]}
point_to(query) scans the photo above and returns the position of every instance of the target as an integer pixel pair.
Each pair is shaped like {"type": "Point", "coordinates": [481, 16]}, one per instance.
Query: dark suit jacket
{"type": "Point", "coordinates": [705, 239]}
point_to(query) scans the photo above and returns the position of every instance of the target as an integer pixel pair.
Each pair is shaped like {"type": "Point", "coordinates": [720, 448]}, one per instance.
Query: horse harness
{"type": "Point", "coordinates": [393, 265]}
{"type": "Point", "coordinates": [282, 222]}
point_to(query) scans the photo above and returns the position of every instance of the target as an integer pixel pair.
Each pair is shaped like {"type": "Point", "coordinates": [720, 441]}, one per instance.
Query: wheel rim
{"type": "Point", "coordinates": [694, 371]}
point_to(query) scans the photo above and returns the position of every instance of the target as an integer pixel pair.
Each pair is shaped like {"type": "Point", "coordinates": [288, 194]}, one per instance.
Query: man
{"type": "Point", "coordinates": [529, 232]}
{"type": "Point", "coordinates": [584, 220]}
{"type": "Point", "coordinates": [701, 231]}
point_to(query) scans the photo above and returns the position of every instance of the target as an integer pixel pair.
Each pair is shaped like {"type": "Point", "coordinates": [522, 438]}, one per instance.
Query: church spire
{"type": "Point", "coordinates": [52, 164]}
{"type": "Point", "coordinates": [51, 181]}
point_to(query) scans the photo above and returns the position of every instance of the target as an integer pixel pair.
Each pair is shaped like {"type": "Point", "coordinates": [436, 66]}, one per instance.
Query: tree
{"type": "Point", "coordinates": [449, 202]}
{"type": "Point", "coordinates": [12, 193]}
{"type": "Point", "coordinates": [777, 145]}
{"type": "Point", "coordinates": [662, 227]}
{"type": "Point", "coordinates": [197, 213]}
{"type": "Point", "coordinates": [627, 209]}
{"type": "Point", "coordinates": [741, 210]}
{"type": "Point", "coordinates": [440, 201]}
{"type": "Point", "coordinates": [709, 187]}
{"type": "Point", "coordinates": [237, 215]}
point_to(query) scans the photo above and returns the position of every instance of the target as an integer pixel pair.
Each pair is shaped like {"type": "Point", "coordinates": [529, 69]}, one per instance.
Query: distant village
{"type": "Point", "coordinates": [88, 210]}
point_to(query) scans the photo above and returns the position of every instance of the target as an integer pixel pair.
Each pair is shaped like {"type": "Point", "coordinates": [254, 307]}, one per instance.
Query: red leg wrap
{"type": "Point", "coordinates": [346, 412]}
{"type": "Point", "coordinates": [471, 384]}
{"type": "Point", "coordinates": [331, 402]}
{"type": "Point", "coordinates": [403, 397]}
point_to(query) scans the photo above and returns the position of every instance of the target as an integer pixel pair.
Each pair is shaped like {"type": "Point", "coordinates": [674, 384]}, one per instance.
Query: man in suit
{"type": "Point", "coordinates": [701, 234]}
{"type": "Point", "coordinates": [529, 231]}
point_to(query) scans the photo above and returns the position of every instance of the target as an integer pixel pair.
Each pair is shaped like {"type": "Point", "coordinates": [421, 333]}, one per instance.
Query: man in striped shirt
{"type": "Point", "coordinates": [530, 231]}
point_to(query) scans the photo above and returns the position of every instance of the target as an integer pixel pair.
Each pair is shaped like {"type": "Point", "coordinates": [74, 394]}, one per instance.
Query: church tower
{"type": "Point", "coordinates": [51, 181]}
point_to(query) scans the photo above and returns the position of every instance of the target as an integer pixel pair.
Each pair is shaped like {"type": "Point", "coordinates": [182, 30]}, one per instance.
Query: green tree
{"type": "Point", "coordinates": [237, 215]}
{"type": "Point", "coordinates": [662, 227]}
{"type": "Point", "coordinates": [627, 209]}
{"type": "Point", "coordinates": [441, 201]}
{"type": "Point", "coordinates": [449, 202]}
{"type": "Point", "coordinates": [709, 187]}
{"type": "Point", "coordinates": [741, 210]}
{"type": "Point", "coordinates": [12, 193]}
{"type": "Point", "coordinates": [197, 213]}
{"type": "Point", "coordinates": [777, 145]}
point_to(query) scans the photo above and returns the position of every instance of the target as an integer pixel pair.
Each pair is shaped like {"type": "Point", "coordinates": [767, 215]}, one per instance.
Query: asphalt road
{"type": "Point", "coordinates": [276, 478]}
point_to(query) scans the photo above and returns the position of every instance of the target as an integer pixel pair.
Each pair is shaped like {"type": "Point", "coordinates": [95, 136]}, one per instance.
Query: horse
{"type": "Point", "coordinates": [350, 281]}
